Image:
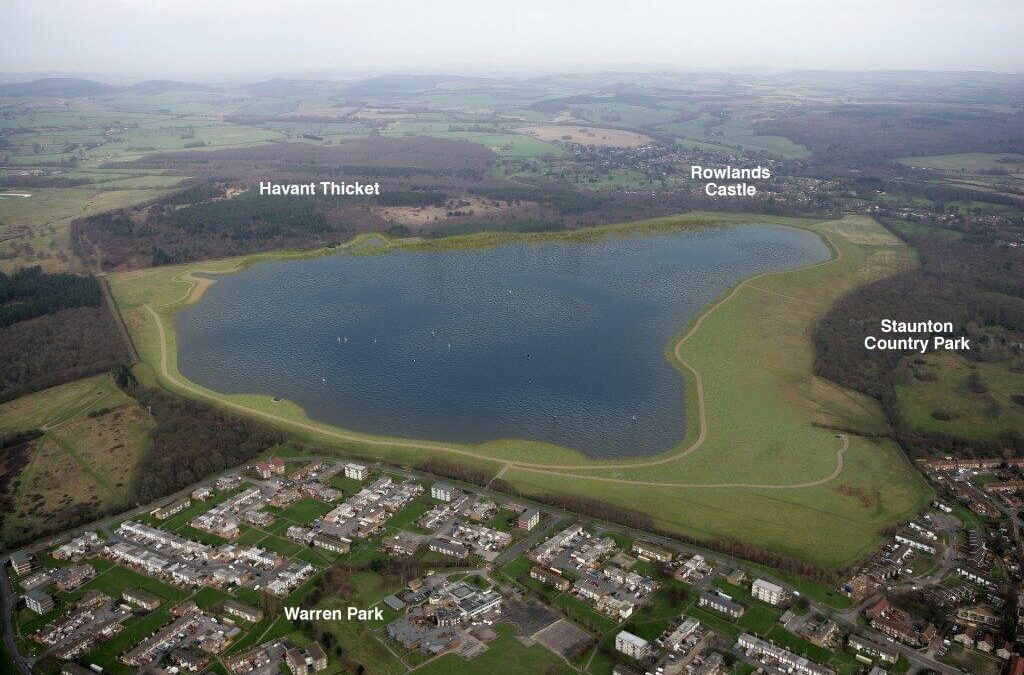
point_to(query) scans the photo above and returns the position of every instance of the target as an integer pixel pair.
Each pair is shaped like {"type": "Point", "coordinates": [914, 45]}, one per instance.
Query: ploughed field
{"type": "Point", "coordinates": [561, 343]}
{"type": "Point", "coordinates": [760, 461]}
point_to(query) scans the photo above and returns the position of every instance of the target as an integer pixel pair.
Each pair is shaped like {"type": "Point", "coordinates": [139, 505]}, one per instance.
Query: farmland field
{"type": "Point", "coordinates": [970, 162]}
{"type": "Point", "coordinates": [585, 135]}
{"type": "Point", "coordinates": [505, 143]}
{"type": "Point", "coordinates": [708, 130]}
{"type": "Point", "coordinates": [34, 230]}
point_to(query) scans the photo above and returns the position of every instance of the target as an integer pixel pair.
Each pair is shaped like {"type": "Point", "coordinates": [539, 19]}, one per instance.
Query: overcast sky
{"type": "Point", "coordinates": [214, 38]}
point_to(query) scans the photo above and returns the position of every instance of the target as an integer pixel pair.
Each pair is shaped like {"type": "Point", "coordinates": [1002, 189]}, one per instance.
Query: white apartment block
{"type": "Point", "coordinates": [632, 646]}
{"type": "Point", "coordinates": [766, 591]}
{"type": "Point", "coordinates": [442, 492]}
{"type": "Point", "coordinates": [356, 471]}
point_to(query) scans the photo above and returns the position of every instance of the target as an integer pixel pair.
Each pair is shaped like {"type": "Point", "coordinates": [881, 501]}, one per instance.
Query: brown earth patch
{"type": "Point", "coordinates": [858, 494]}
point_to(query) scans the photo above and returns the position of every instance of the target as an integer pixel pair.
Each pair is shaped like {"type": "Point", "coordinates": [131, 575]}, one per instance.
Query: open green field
{"type": "Point", "coordinates": [94, 436]}
{"type": "Point", "coordinates": [970, 162]}
{"type": "Point", "coordinates": [733, 131]}
{"type": "Point", "coordinates": [57, 404]}
{"type": "Point", "coordinates": [758, 457]}
{"type": "Point", "coordinates": [936, 394]}
{"type": "Point", "coordinates": [34, 230]}
{"type": "Point", "coordinates": [305, 511]}
{"type": "Point", "coordinates": [504, 143]}
{"type": "Point", "coordinates": [505, 654]}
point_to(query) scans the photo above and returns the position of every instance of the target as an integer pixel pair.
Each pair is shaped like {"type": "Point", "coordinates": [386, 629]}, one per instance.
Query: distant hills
{"type": "Point", "coordinates": [70, 87]}
{"type": "Point", "coordinates": [57, 86]}
{"type": "Point", "coordinates": [379, 86]}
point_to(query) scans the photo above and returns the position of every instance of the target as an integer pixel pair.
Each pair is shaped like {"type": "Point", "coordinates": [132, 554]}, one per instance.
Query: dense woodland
{"type": "Point", "coordinates": [165, 234]}
{"type": "Point", "coordinates": [15, 449]}
{"type": "Point", "coordinates": [54, 328]}
{"type": "Point", "coordinates": [455, 471]}
{"type": "Point", "coordinates": [29, 293]}
{"type": "Point", "coordinates": [58, 348]}
{"type": "Point", "coordinates": [971, 280]}
{"type": "Point", "coordinates": [190, 441]}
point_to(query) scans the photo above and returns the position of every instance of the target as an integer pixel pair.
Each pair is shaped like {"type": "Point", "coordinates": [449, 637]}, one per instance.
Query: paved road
{"type": "Point", "coordinates": [525, 544]}
{"type": "Point", "coordinates": [7, 602]}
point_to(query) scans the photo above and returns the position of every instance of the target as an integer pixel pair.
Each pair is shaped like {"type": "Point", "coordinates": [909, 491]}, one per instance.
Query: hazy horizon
{"type": "Point", "coordinates": [238, 38]}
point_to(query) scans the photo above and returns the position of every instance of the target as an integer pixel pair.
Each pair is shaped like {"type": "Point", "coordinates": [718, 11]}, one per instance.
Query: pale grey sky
{"type": "Point", "coordinates": [214, 38]}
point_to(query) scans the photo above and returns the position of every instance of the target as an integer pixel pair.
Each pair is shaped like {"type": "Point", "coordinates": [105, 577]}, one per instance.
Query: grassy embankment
{"type": "Point", "coordinates": [748, 359]}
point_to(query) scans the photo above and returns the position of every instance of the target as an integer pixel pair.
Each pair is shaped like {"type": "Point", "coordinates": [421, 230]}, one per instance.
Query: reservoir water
{"type": "Point", "coordinates": [554, 342]}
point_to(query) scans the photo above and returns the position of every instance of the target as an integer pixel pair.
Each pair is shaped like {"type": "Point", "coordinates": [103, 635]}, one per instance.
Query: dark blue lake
{"type": "Point", "coordinates": [554, 342]}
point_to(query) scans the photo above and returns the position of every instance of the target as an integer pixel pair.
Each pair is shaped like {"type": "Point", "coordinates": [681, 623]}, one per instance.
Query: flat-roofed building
{"type": "Point", "coordinates": [229, 482]}
{"type": "Point", "coordinates": [317, 657]}
{"type": "Point", "coordinates": [633, 646]}
{"type": "Point", "coordinates": [201, 494]}
{"type": "Point", "coordinates": [67, 579]}
{"type": "Point", "coordinates": [722, 604]}
{"type": "Point", "coordinates": [915, 543]}
{"type": "Point", "coordinates": [442, 492]}
{"type": "Point", "coordinates": [766, 591]}
{"type": "Point", "coordinates": [243, 611]}
{"type": "Point", "coordinates": [143, 599]}
{"type": "Point", "coordinates": [650, 552]}
{"type": "Point", "coordinates": [72, 668]}
{"type": "Point", "coordinates": [873, 650]}
{"type": "Point", "coordinates": [21, 563]}
{"type": "Point", "coordinates": [528, 519]}
{"type": "Point", "coordinates": [452, 548]}
{"type": "Point", "coordinates": [550, 578]}
{"type": "Point", "coordinates": [978, 615]}
{"type": "Point", "coordinates": [356, 471]}
{"type": "Point", "coordinates": [296, 661]}
{"type": "Point", "coordinates": [333, 544]}
{"type": "Point", "coordinates": [168, 510]}
{"type": "Point", "coordinates": [783, 659]}
{"type": "Point", "coordinates": [38, 601]}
